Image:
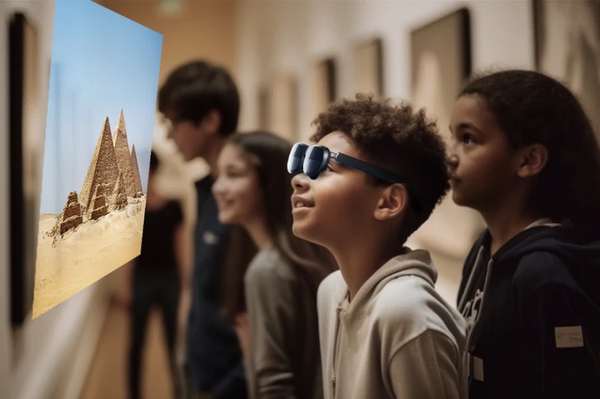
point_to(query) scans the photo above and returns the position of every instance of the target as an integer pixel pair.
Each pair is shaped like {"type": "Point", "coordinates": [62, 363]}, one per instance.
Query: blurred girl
{"type": "Point", "coordinates": [280, 333]}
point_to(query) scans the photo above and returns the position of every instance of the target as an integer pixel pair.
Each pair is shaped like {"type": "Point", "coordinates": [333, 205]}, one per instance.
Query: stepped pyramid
{"type": "Point", "coordinates": [99, 204]}
{"type": "Point", "coordinates": [102, 170]}
{"type": "Point", "coordinates": [119, 197]}
{"type": "Point", "coordinates": [123, 157]}
{"type": "Point", "coordinates": [137, 181]}
{"type": "Point", "coordinates": [70, 218]}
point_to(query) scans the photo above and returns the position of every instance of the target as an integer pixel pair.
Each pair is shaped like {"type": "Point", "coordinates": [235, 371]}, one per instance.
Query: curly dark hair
{"type": "Point", "coordinates": [194, 89]}
{"type": "Point", "coordinates": [391, 135]}
{"type": "Point", "coordinates": [531, 107]}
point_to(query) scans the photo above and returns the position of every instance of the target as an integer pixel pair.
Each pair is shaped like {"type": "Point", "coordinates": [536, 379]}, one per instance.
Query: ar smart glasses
{"type": "Point", "coordinates": [313, 159]}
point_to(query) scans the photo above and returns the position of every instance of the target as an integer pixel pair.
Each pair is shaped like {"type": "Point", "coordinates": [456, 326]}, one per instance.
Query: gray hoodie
{"type": "Point", "coordinates": [396, 339]}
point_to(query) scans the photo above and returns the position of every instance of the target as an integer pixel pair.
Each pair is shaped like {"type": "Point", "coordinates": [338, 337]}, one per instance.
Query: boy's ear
{"type": "Point", "coordinates": [393, 201]}
{"type": "Point", "coordinates": [533, 159]}
{"type": "Point", "coordinates": [212, 122]}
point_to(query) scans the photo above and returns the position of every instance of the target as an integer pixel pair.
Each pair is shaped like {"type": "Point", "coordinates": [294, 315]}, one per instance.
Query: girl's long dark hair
{"type": "Point", "coordinates": [531, 107]}
{"type": "Point", "coordinates": [268, 153]}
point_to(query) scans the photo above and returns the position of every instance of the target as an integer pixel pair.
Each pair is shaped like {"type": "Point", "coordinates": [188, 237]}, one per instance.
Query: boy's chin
{"type": "Point", "coordinates": [302, 233]}
{"type": "Point", "coordinates": [297, 231]}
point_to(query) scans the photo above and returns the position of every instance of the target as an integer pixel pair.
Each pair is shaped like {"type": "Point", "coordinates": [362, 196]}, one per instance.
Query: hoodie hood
{"type": "Point", "coordinates": [409, 263]}
{"type": "Point", "coordinates": [572, 245]}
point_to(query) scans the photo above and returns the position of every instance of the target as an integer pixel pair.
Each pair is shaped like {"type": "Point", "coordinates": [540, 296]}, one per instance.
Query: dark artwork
{"type": "Point", "coordinates": [328, 67]}
{"type": "Point", "coordinates": [324, 85]}
{"type": "Point", "coordinates": [441, 62]}
{"type": "Point", "coordinates": [22, 93]}
{"type": "Point", "coordinates": [567, 47]}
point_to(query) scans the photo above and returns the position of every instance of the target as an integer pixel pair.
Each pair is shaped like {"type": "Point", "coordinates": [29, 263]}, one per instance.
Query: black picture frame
{"type": "Point", "coordinates": [23, 90]}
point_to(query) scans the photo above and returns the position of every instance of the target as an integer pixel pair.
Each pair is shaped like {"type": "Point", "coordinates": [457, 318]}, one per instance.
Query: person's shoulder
{"type": "Point", "coordinates": [269, 267]}
{"type": "Point", "coordinates": [414, 304]}
{"type": "Point", "coordinates": [403, 297]}
{"type": "Point", "coordinates": [539, 269]}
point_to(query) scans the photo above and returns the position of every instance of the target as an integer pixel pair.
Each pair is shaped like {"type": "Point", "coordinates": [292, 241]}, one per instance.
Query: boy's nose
{"type": "Point", "coordinates": [300, 182]}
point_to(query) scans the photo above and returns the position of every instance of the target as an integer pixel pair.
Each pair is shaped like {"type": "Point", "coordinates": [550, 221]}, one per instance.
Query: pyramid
{"type": "Point", "coordinates": [70, 217]}
{"type": "Point", "coordinates": [103, 168]}
{"type": "Point", "coordinates": [99, 204]}
{"type": "Point", "coordinates": [119, 197]}
{"type": "Point", "coordinates": [123, 157]}
{"type": "Point", "coordinates": [137, 181]}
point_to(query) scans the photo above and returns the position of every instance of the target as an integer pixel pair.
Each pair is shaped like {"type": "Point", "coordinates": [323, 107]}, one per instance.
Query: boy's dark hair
{"type": "Point", "coordinates": [392, 136]}
{"type": "Point", "coordinates": [531, 107]}
{"type": "Point", "coordinates": [194, 89]}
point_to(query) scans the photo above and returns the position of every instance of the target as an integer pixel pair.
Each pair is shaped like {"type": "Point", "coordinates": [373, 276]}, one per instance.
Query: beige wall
{"type": "Point", "coordinates": [202, 29]}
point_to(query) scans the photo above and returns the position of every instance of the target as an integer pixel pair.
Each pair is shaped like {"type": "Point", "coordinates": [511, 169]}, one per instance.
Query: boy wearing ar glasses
{"type": "Point", "coordinates": [374, 177]}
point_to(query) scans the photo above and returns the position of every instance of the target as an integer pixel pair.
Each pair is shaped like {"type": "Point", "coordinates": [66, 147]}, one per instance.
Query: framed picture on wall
{"type": "Point", "coordinates": [23, 91]}
{"type": "Point", "coordinates": [324, 84]}
{"type": "Point", "coordinates": [440, 65]}
{"type": "Point", "coordinates": [567, 47]}
{"type": "Point", "coordinates": [368, 67]}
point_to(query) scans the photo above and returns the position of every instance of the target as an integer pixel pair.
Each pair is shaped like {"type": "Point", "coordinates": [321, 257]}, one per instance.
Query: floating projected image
{"type": "Point", "coordinates": [101, 110]}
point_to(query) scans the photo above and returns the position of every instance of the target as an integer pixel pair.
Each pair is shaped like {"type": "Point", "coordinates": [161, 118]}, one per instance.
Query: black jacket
{"type": "Point", "coordinates": [541, 281]}
{"type": "Point", "coordinates": [214, 357]}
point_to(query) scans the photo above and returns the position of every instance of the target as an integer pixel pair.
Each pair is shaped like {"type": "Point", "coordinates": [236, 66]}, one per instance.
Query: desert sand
{"type": "Point", "coordinates": [85, 255]}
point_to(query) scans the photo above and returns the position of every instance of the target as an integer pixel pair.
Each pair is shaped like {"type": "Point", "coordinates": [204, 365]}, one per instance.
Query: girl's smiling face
{"type": "Point", "coordinates": [237, 189]}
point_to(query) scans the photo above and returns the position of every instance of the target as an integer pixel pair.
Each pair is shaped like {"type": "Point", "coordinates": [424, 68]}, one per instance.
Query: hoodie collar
{"type": "Point", "coordinates": [545, 236]}
{"type": "Point", "coordinates": [409, 263]}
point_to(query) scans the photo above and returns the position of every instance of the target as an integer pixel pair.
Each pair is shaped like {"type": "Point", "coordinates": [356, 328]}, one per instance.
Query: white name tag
{"type": "Point", "coordinates": [477, 368]}
{"type": "Point", "coordinates": [568, 337]}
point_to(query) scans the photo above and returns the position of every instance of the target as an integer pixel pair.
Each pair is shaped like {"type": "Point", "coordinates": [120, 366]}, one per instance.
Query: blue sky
{"type": "Point", "coordinates": [101, 62]}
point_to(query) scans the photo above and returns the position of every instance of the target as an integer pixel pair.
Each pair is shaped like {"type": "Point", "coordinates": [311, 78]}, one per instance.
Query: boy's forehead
{"type": "Point", "coordinates": [340, 142]}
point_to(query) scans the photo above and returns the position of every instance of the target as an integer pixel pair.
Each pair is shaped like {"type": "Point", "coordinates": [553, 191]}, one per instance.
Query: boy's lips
{"type": "Point", "coordinates": [299, 202]}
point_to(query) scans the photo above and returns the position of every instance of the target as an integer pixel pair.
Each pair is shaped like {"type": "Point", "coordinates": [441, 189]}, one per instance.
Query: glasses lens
{"type": "Point", "coordinates": [313, 161]}
{"type": "Point", "coordinates": [296, 157]}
